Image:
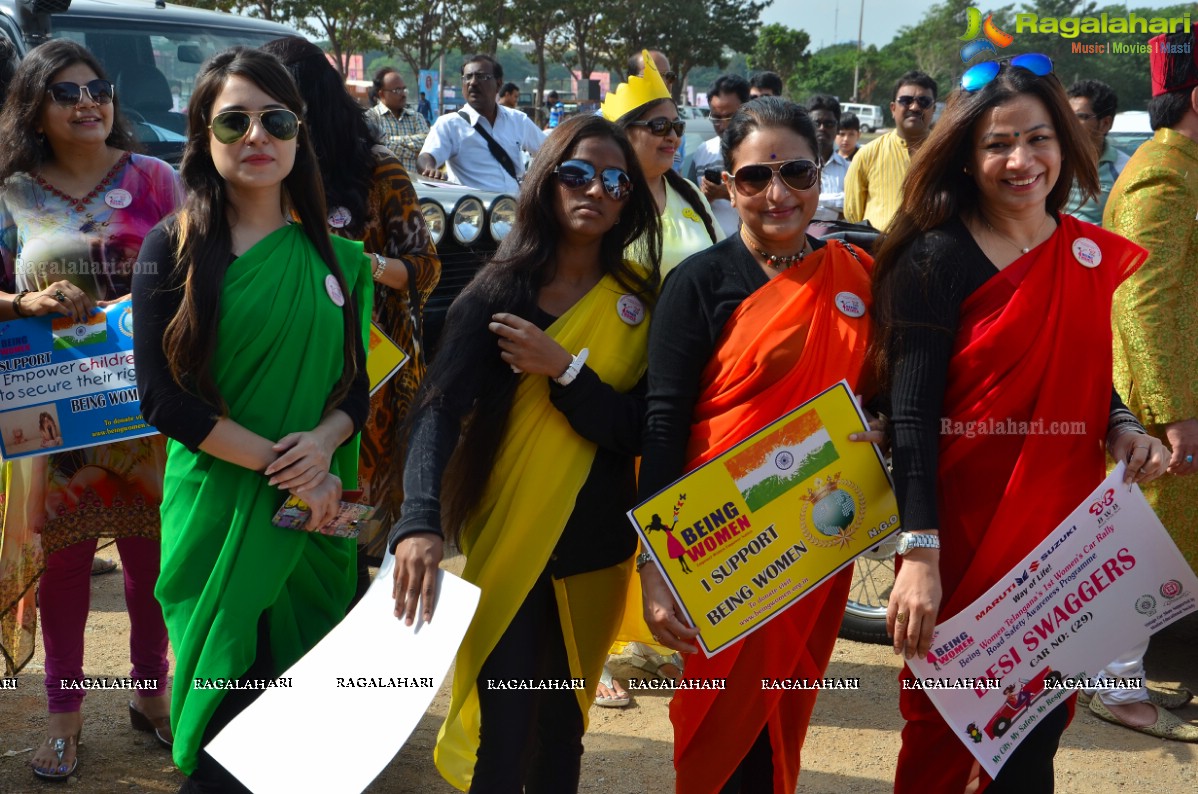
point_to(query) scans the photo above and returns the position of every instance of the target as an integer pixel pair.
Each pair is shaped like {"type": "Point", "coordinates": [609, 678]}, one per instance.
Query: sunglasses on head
{"type": "Point", "coordinates": [578, 174]}
{"type": "Point", "coordinates": [70, 94]}
{"type": "Point", "coordinates": [750, 180]}
{"type": "Point", "coordinates": [906, 101]}
{"type": "Point", "coordinates": [661, 126]}
{"type": "Point", "coordinates": [982, 74]}
{"type": "Point", "coordinates": [230, 126]}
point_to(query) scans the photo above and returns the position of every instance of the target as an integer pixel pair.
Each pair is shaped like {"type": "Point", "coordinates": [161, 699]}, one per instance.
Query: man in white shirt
{"type": "Point", "coordinates": [727, 94]}
{"type": "Point", "coordinates": [825, 115]}
{"type": "Point", "coordinates": [481, 145]}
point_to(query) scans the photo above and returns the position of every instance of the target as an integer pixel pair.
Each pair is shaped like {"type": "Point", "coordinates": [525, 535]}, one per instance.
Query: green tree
{"type": "Point", "coordinates": [416, 31]}
{"type": "Point", "coordinates": [535, 21]}
{"type": "Point", "coordinates": [347, 26]}
{"type": "Point", "coordinates": [779, 49]}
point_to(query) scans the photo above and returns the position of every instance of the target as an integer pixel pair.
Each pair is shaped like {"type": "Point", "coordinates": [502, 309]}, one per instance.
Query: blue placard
{"type": "Point", "coordinates": [67, 385]}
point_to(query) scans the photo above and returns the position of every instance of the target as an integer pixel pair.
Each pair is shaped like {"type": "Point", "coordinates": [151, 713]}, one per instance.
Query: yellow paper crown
{"type": "Point", "coordinates": [637, 92]}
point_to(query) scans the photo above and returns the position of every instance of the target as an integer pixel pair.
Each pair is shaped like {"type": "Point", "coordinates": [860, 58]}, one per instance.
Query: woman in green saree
{"type": "Point", "coordinates": [250, 358]}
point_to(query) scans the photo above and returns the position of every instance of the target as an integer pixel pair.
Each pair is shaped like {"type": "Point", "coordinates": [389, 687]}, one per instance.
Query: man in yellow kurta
{"type": "Point", "coordinates": [1154, 203]}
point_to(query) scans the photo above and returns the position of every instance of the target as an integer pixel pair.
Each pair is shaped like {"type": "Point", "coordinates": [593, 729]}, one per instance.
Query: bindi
{"type": "Point", "coordinates": [773, 156]}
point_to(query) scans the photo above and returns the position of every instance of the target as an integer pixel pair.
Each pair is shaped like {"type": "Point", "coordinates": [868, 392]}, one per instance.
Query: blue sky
{"type": "Point", "coordinates": [830, 21]}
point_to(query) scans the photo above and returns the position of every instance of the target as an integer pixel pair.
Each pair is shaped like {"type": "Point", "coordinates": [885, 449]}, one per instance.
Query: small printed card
{"type": "Point", "coordinates": [294, 514]}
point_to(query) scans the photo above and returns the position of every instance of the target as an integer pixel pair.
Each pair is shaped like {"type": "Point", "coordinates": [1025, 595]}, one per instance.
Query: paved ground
{"type": "Point", "coordinates": [851, 747]}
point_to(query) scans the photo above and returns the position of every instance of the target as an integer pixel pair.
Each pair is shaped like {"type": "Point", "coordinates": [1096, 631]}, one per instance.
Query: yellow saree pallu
{"type": "Point", "coordinates": [539, 469]}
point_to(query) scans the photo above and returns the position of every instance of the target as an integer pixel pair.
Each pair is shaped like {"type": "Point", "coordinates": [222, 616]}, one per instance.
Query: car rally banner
{"type": "Point", "coordinates": [746, 535]}
{"type": "Point", "coordinates": [1107, 578]}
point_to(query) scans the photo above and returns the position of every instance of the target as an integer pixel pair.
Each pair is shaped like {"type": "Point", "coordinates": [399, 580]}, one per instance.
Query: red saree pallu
{"type": "Point", "coordinates": [784, 344]}
{"type": "Point", "coordinates": [1022, 440]}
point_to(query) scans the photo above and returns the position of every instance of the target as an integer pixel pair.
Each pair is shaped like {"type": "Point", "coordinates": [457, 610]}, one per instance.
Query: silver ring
{"type": "Point", "coordinates": [60, 296]}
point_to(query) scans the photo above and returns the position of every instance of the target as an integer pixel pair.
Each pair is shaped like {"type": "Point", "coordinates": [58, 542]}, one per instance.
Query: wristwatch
{"type": "Point", "coordinates": [567, 377]}
{"type": "Point", "coordinates": [916, 540]}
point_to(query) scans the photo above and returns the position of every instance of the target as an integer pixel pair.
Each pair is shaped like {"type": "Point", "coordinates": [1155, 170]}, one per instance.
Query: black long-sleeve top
{"type": "Point", "coordinates": [173, 410]}
{"type": "Point", "coordinates": [934, 276]}
{"type": "Point", "coordinates": [696, 301]}
{"type": "Point", "coordinates": [597, 534]}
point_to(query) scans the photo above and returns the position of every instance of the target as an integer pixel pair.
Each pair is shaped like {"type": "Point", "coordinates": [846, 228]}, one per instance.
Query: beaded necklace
{"type": "Point", "coordinates": [79, 204]}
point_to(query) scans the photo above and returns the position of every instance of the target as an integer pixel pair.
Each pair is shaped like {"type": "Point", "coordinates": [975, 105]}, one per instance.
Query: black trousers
{"type": "Point", "coordinates": [1029, 770]}
{"type": "Point", "coordinates": [530, 740]}
{"type": "Point", "coordinates": [755, 773]}
{"type": "Point", "coordinates": [210, 777]}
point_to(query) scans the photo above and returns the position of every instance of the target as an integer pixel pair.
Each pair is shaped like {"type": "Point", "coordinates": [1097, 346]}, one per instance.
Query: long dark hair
{"type": "Point", "coordinates": [24, 149]}
{"type": "Point", "coordinates": [937, 188]}
{"type": "Point", "coordinates": [336, 126]}
{"type": "Point", "coordinates": [673, 178]}
{"type": "Point", "coordinates": [204, 240]}
{"type": "Point", "coordinates": [510, 282]}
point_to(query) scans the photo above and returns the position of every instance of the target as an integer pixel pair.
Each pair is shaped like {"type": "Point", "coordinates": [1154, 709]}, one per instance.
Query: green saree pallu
{"type": "Point", "coordinates": [279, 354]}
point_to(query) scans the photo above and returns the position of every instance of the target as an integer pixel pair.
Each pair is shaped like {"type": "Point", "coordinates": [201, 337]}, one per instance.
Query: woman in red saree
{"type": "Point", "coordinates": [745, 331]}
{"type": "Point", "coordinates": [994, 308]}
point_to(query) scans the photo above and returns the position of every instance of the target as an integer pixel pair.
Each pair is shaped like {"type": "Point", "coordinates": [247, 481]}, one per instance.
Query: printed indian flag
{"type": "Point", "coordinates": [783, 459]}
{"type": "Point", "coordinates": [68, 333]}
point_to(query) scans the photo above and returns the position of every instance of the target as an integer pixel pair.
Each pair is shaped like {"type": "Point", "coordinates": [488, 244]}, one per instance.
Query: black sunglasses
{"type": "Point", "coordinates": [661, 126]}
{"type": "Point", "coordinates": [231, 126]}
{"type": "Point", "coordinates": [750, 180]}
{"type": "Point", "coordinates": [924, 102]}
{"type": "Point", "coordinates": [578, 174]}
{"type": "Point", "coordinates": [102, 92]}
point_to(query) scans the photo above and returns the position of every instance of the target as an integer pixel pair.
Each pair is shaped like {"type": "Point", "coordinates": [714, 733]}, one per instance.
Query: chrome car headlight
{"type": "Point", "coordinates": [469, 217]}
{"type": "Point", "coordinates": [503, 216]}
{"type": "Point", "coordinates": [434, 218]}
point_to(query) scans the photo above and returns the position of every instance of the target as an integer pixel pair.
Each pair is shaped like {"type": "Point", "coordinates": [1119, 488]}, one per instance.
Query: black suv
{"type": "Point", "coordinates": [153, 51]}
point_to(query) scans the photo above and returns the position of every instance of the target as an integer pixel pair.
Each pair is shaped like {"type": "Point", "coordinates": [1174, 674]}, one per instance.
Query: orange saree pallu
{"type": "Point", "coordinates": [1033, 346]}
{"type": "Point", "coordinates": [783, 345]}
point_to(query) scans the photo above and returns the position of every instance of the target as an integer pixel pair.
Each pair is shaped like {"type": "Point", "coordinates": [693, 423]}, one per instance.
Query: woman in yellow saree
{"type": "Point", "coordinates": [543, 357]}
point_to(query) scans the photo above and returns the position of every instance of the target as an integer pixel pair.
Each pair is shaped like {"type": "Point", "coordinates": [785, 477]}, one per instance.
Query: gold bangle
{"type": "Point", "coordinates": [380, 268]}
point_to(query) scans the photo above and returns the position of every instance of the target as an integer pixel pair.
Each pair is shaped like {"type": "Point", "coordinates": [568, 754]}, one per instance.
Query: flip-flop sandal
{"type": "Point", "coordinates": [160, 726]}
{"type": "Point", "coordinates": [611, 701]}
{"type": "Point", "coordinates": [60, 771]}
{"type": "Point", "coordinates": [649, 661]}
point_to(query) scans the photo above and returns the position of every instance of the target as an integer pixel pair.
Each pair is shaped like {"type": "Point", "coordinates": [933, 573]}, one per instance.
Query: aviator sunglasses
{"type": "Point", "coordinates": [661, 126]}
{"type": "Point", "coordinates": [99, 91]}
{"type": "Point", "coordinates": [981, 74]}
{"type": "Point", "coordinates": [231, 126]}
{"type": "Point", "coordinates": [796, 175]}
{"type": "Point", "coordinates": [577, 174]}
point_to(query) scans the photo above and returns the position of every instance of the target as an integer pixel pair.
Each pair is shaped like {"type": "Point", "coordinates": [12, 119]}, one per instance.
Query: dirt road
{"type": "Point", "coordinates": [852, 745]}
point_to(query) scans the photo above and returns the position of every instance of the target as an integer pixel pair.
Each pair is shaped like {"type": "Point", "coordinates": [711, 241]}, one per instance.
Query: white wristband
{"type": "Point", "coordinates": [567, 377]}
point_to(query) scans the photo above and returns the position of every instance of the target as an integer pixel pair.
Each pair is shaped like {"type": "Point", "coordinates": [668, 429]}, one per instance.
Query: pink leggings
{"type": "Point", "coordinates": [64, 597]}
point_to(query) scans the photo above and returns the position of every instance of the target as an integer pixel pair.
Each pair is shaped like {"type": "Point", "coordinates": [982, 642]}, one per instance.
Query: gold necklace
{"type": "Point", "coordinates": [1002, 236]}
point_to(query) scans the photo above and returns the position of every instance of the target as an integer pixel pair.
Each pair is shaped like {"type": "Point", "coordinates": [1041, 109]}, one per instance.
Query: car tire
{"type": "Point", "coordinates": [1001, 726]}
{"type": "Point", "coordinates": [866, 128]}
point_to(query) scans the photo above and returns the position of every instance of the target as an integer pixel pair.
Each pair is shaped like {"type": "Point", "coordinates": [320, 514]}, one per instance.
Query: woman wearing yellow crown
{"type": "Point", "coordinates": [644, 109]}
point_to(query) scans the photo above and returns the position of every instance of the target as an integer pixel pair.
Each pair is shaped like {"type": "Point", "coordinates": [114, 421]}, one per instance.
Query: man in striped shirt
{"type": "Point", "coordinates": [402, 130]}
{"type": "Point", "coordinates": [872, 186]}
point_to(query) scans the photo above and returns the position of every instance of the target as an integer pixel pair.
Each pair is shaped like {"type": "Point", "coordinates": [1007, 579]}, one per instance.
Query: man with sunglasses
{"type": "Point", "coordinates": [825, 115]}
{"type": "Point", "coordinates": [727, 94]}
{"type": "Point", "coordinates": [401, 130]}
{"type": "Point", "coordinates": [482, 145]}
{"type": "Point", "coordinates": [1094, 104]}
{"type": "Point", "coordinates": [873, 184]}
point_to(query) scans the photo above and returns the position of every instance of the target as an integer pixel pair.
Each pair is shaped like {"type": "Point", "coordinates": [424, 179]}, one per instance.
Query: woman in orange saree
{"type": "Point", "coordinates": [746, 331]}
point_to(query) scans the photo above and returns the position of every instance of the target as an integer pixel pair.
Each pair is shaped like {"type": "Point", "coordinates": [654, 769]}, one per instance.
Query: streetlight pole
{"type": "Point", "coordinates": [857, 65]}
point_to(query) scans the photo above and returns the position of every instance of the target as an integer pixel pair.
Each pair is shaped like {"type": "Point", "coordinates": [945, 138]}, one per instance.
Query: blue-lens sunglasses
{"type": "Point", "coordinates": [981, 74]}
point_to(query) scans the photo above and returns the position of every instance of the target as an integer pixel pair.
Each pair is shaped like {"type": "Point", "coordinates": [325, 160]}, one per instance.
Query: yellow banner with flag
{"type": "Point", "coordinates": [749, 533]}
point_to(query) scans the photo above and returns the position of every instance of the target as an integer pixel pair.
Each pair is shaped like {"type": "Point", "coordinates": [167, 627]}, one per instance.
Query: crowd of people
{"type": "Point", "coordinates": [633, 325]}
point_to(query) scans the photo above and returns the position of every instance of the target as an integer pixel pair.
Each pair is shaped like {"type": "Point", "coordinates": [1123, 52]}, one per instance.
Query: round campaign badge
{"type": "Point", "coordinates": [339, 217]}
{"type": "Point", "coordinates": [334, 289]}
{"type": "Point", "coordinates": [630, 309]}
{"type": "Point", "coordinates": [1087, 252]}
{"type": "Point", "coordinates": [118, 198]}
{"type": "Point", "coordinates": [850, 304]}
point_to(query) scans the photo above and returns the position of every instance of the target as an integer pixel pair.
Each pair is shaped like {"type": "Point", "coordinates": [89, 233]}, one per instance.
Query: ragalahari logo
{"type": "Point", "coordinates": [982, 36]}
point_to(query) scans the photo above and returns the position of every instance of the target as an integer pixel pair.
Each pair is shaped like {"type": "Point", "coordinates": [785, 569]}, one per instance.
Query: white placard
{"type": "Point", "coordinates": [354, 699]}
{"type": "Point", "coordinates": [1105, 579]}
